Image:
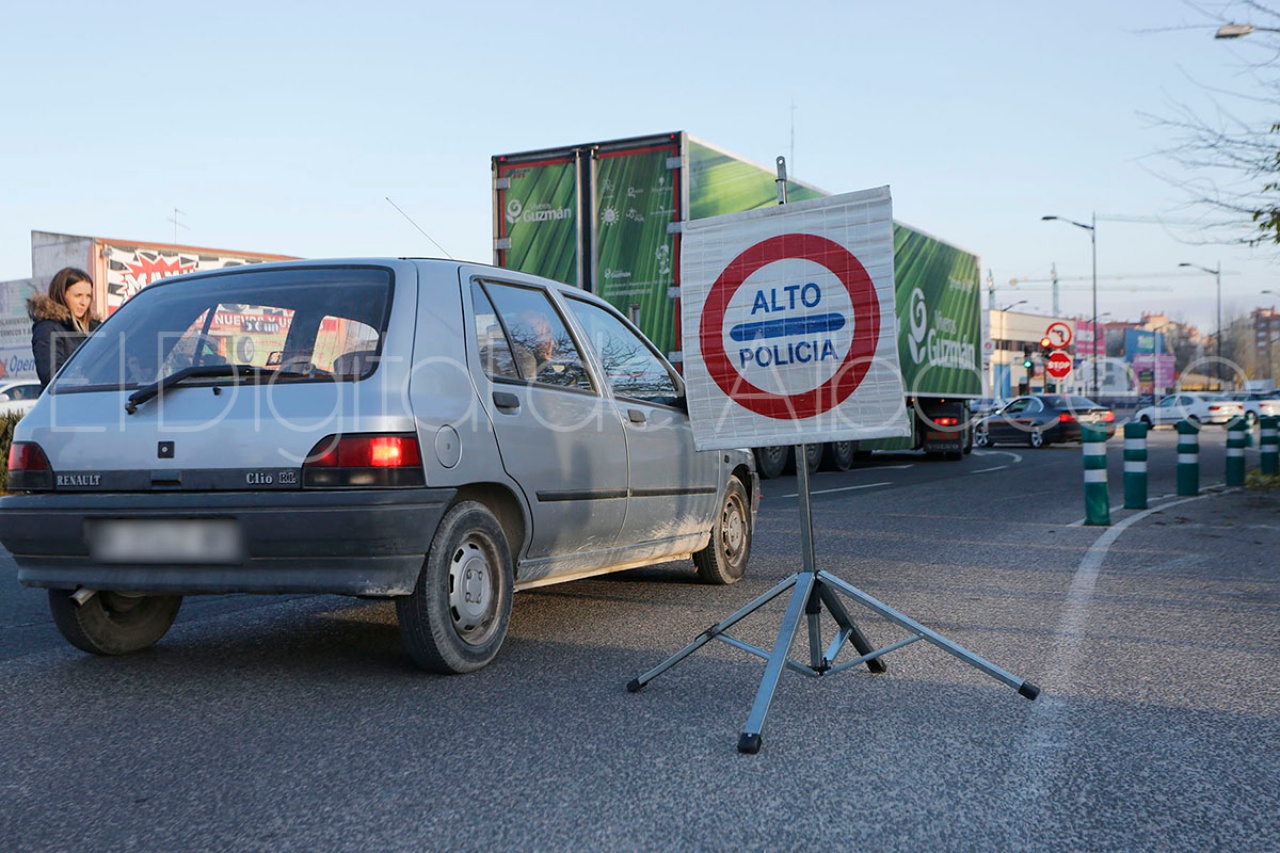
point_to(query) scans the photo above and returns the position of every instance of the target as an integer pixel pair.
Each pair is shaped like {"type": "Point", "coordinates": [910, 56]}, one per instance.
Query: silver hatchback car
{"type": "Point", "coordinates": [433, 432]}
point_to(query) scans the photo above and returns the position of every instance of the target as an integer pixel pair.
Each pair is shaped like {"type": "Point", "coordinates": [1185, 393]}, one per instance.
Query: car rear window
{"type": "Point", "coordinates": [301, 324]}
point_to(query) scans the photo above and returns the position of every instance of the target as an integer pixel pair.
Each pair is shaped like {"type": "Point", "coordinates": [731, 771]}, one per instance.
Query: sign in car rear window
{"type": "Point", "coordinates": [789, 327]}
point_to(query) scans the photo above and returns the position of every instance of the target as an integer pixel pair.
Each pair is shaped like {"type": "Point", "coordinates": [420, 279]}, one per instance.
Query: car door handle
{"type": "Point", "coordinates": [506, 400]}
{"type": "Point", "coordinates": [635, 416]}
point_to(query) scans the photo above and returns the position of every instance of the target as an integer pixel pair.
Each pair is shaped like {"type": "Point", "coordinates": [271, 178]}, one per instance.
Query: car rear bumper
{"type": "Point", "coordinates": [1072, 431]}
{"type": "Point", "coordinates": [341, 542]}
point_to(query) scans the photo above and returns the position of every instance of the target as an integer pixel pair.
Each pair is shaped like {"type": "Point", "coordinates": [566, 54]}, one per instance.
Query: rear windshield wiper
{"type": "Point", "coordinates": [204, 371]}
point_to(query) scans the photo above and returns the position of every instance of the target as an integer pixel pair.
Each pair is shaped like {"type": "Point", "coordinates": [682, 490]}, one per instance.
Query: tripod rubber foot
{"type": "Point", "coordinates": [1029, 690]}
{"type": "Point", "coordinates": [634, 686]}
{"type": "Point", "coordinates": [877, 666]}
{"type": "Point", "coordinates": [749, 744]}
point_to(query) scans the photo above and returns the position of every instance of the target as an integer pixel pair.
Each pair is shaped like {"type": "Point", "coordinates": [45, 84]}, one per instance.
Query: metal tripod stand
{"type": "Point", "coordinates": [811, 589]}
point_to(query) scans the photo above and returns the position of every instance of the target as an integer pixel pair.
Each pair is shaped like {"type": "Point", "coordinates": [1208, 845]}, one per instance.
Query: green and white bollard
{"type": "Point", "coordinates": [1135, 465]}
{"type": "Point", "coordinates": [1097, 502]}
{"type": "Point", "coordinates": [1188, 458]}
{"type": "Point", "coordinates": [1237, 431]}
{"type": "Point", "coordinates": [1269, 444]}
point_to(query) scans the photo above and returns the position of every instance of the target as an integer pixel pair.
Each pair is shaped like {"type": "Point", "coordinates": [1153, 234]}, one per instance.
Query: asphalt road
{"type": "Point", "coordinates": [298, 723]}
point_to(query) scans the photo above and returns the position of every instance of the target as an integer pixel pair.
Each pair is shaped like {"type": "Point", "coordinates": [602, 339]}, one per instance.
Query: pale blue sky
{"type": "Point", "coordinates": [282, 126]}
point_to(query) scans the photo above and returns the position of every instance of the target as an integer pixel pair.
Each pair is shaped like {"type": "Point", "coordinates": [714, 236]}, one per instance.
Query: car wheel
{"type": "Point", "coordinates": [981, 438]}
{"type": "Point", "coordinates": [1035, 438]}
{"type": "Point", "coordinates": [1147, 422]}
{"type": "Point", "coordinates": [113, 623]}
{"type": "Point", "coordinates": [1250, 418]}
{"type": "Point", "coordinates": [724, 560]}
{"type": "Point", "coordinates": [772, 461]}
{"type": "Point", "coordinates": [838, 455]}
{"type": "Point", "coordinates": [456, 618]}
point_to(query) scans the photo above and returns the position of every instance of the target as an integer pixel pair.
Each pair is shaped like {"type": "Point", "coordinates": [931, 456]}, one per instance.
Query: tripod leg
{"type": "Point", "coordinates": [1024, 688]}
{"type": "Point", "coordinates": [848, 629]}
{"type": "Point", "coordinates": [749, 742]}
{"type": "Point", "coordinates": [637, 684]}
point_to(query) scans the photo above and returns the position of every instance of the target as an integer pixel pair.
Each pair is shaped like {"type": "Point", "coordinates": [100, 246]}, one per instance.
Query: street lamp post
{"type": "Point", "coordinates": [1235, 31]}
{"type": "Point", "coordinates": [1093, 241]}
{"type": "Point", "coordinates": [1217, 275]}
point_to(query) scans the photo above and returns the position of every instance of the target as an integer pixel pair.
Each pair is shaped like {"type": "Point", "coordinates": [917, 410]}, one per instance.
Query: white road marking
{"type": "Point", "coordinates": [833, 491]}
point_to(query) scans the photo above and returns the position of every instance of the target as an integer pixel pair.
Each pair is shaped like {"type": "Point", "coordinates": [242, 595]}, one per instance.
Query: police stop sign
{"type": "Point", "coordinates": [789, 330]}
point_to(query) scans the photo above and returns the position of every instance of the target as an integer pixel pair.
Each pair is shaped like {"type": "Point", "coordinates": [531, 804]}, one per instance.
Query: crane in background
{"type": "Point", "coordinates": [1054, 282]}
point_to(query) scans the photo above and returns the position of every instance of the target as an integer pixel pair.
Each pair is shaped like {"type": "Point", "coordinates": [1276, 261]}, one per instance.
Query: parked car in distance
{"type": "Point", "coordinates": [18, 396]}
{"type": "Point", "coordinates": [1257, 404]}
{"type": "Point", "coordinates": [1042, 419]}
{"type": "Point", "coordinates": [435, 433]}
{"type": "Point", "coordinates": [1198, 408]}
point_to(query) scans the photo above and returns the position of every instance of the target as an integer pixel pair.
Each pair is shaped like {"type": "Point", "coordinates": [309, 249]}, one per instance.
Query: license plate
{"type": "Point", "coordinates": [187, 540]}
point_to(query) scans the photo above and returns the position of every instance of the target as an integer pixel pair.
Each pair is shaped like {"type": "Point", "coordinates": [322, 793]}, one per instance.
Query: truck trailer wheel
{"type": "Point", "coordinates": [772, 461]}
{"type": "Point", "coordinates": [113, 623]}
{"type": "Point", "coordinates": [838, 455]}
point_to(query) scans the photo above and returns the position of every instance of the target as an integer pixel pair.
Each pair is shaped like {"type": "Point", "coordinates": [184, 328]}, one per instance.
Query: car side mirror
{"type": "Point", "coordinates": [4, 398]}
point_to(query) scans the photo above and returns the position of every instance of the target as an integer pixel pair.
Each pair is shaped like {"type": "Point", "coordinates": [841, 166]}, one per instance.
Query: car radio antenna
{"type": "Point", "coordinates": [419, 227]}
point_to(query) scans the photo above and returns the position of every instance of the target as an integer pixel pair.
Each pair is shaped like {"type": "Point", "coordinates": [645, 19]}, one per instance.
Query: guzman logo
{"type": "Point", "coordinates": [517, 212]}
{"type": "Point", "coordinates": [918, 317]}
{"type": "Point", "coordinates": [939, 346]}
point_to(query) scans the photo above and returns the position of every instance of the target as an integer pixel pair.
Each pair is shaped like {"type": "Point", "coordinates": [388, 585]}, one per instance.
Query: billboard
{"type": "Point", "coordinates": [789, 333]}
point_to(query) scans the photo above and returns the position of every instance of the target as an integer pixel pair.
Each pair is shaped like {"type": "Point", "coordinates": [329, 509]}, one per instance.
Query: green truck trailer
{"type": "Point", "coordinates": [608, 217]}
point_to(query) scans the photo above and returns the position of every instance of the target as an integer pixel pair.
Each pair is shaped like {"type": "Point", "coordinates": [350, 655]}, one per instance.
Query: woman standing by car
{"type": "Point", "coordinates": [63, 319]}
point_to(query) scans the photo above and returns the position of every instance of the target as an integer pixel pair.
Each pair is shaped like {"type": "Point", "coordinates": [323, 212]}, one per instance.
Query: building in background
{"type": "Point", "coordinates": [119, 268]}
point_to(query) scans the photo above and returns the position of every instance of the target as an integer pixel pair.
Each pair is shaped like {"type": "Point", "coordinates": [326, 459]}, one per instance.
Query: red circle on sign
{"type": "Point", "coordinates": [1059, 365]}
{"type": "Point", "coordinates": [866, 327]}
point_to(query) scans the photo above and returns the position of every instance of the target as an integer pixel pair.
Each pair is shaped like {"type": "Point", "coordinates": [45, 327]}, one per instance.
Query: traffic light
{"type": "Point", "coordinates": [1046, 346]}
{"type": "Point", "coordinates": [1026, 358]}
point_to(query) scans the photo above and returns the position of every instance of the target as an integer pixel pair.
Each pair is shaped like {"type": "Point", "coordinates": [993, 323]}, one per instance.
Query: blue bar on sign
{"type": "Point", "coordinates": [788, 326]}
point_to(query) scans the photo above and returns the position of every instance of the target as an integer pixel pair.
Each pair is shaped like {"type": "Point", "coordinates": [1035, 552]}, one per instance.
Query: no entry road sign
{"type": "Point", "coordinates": [789, 331]}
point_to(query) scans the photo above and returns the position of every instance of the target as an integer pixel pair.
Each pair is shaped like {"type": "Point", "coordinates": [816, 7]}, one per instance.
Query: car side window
{"type": "Point", "coordinates": [1034, 406]}
{"type": "Point", "coordinates": [1015, 407]}
{"type": "Point", "coordinates": [542, 349]}
{"type": "Point", "coordinates": [1168, 402]}
{"type": "Point", "coordinates": [631, 367]}
{"type": "Point", "coordinates": [496, 356]}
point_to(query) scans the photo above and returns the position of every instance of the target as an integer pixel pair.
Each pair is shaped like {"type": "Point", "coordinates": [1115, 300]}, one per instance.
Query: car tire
{"type": "Point", "coordinates": [724, 560]}
{"type": "Point", "coordinates": [838, 455]}
{"type": "Point", "coordinates": [1035, 438]}
{"type": "Point", "coordinates": [1145, 421]}
{"type": "Point", "coordinates": [113, 623]}
{"type": "Point", "coordinates": [981, 438]}
{"type": "Point", "coordinates": [457, 616]}
{"type": "Point", "coordinates": [1250, 418]}
{"type": "Point", "coordinates": [772, 461]}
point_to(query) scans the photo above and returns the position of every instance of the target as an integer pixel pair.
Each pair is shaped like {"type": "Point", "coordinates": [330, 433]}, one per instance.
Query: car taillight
{"type": "Point", "coordinates": [946, 422]}
{"type": "Point", "coordinates": [389, 461]}
{"type": "Point", "coordinates": [1066, 418]}
{"type": "Point", "coordinates": [1108, 417]}
{"type": "Point", "coordinates": [29, 468]}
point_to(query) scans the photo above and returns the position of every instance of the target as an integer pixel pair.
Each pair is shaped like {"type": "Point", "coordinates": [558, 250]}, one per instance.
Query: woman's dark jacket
{"type": "Point", "coordinates": [54, 336]}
